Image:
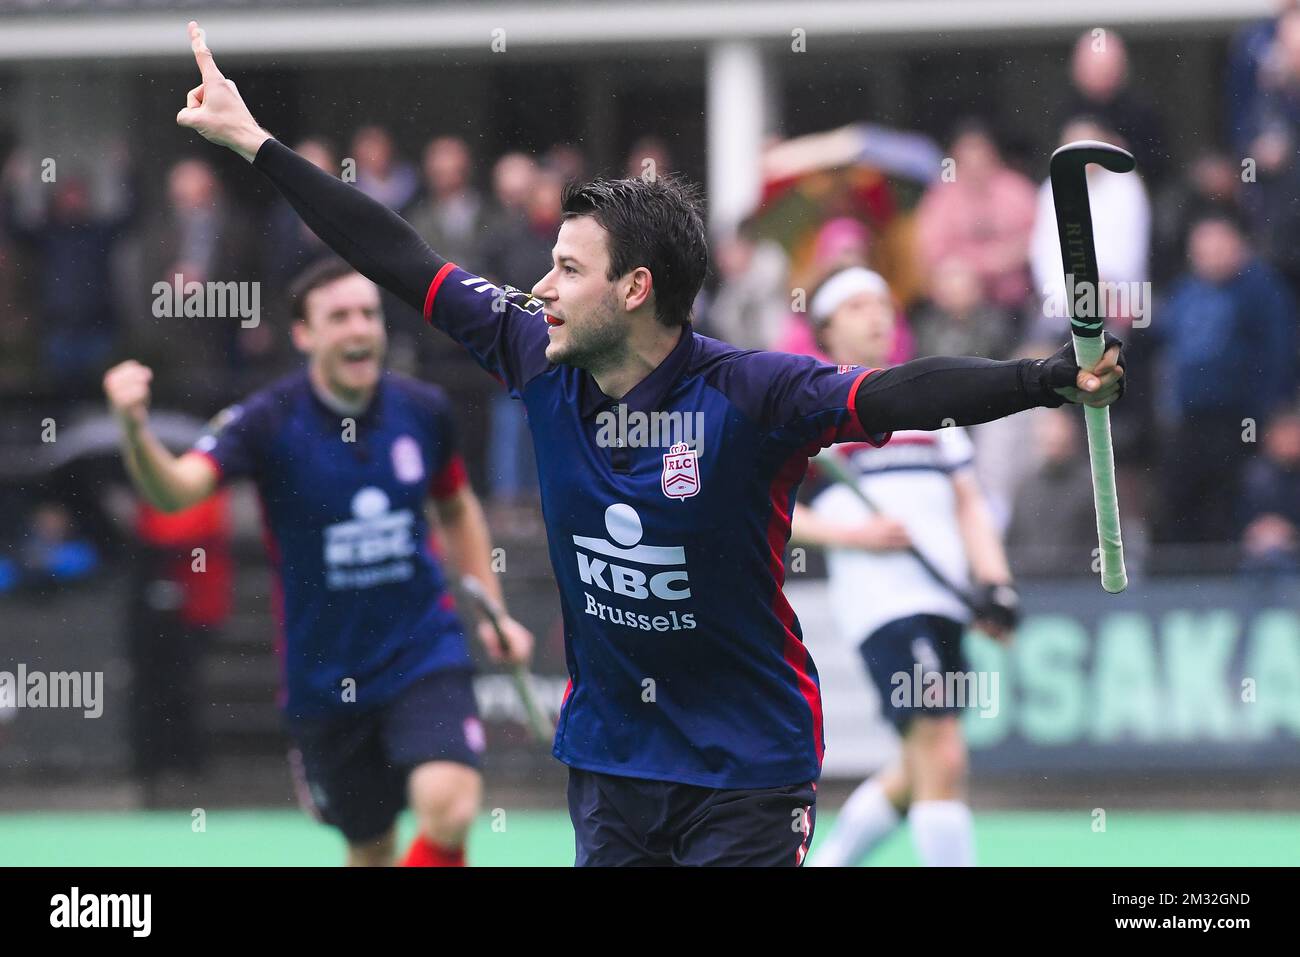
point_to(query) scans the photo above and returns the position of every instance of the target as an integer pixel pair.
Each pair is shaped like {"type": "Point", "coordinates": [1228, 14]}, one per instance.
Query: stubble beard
{"type": "Point", "coordinates": [599, 342]}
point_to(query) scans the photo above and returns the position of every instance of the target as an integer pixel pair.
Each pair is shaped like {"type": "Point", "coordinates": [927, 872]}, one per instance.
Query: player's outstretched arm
{"type": "Point", "coordinates": [379, 243]}
{"type": "Point", "coordinates": [941, 391]}
{"type": "Point", "coordinates": [165, 481]}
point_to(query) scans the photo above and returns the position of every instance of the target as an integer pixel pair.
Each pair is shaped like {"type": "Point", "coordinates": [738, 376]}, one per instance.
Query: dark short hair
{"type": "Point", "coordinates": [1219, 213]}
{"type": "Point", "coordinates": [654, 223]}
{"type": "Point", "coordinates": [972, 125]}
{"type": "Point", "coordinates": [320, 273]}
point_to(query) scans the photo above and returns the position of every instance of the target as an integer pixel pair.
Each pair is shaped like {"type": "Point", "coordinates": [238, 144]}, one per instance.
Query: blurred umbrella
{"type": "Point", "coordinates": [855, 170]}
{"type": "Point", "coordinates": [93, 436]}
{"type": "Point", "coordinates": [901, 153]}
{"type": "Point", "coordinates": [871, 174]}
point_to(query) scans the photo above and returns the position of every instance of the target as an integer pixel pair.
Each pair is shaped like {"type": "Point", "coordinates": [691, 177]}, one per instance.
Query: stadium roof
{"type": "Point", "coordinates": [113, 29]}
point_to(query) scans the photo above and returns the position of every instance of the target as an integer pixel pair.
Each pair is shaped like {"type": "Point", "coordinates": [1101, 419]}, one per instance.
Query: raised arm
{"type": "Point", "coordinates": [503, 330]}
{"type": "Point", "coordinates": [379, 243]}
{"type": "Point", "coordinates": [167, 482]}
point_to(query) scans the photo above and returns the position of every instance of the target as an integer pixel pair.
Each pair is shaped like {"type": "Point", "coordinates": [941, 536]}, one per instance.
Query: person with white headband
{"type": "Point", "coordinates": [842, 286]}
{"type": "Point", "coordinates": [924, 486]}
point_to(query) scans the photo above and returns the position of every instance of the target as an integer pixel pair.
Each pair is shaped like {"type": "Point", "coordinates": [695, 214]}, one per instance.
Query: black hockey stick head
{"type": "Point", "coordinates": [1077, 155]}
{"type": "Point", "coordinates": [1067, 172]}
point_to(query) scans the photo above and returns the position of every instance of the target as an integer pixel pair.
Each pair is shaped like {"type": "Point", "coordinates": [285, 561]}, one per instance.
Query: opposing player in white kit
{"type": "Point", "coordinates": [882, 596]}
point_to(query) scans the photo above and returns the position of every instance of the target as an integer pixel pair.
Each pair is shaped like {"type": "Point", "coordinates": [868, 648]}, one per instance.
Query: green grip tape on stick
{"type": "Point", "coordinates": [1088, 352]}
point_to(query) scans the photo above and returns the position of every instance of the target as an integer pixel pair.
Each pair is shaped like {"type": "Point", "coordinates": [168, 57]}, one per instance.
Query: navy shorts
{"type": "Point", "coordinates": [351, 771]}
{"type": "Point", "coordinates": [633, 822]}
{"type": "Point", "coordinates": [892, 653]}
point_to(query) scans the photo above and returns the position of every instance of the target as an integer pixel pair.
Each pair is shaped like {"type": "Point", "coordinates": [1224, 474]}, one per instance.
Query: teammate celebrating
{"type": "Point", "coordinates": [378, 698]}
{"type": "Point", "coordinates": [692, 724]}
{"type": "Point", "coordinates": [883, 597]}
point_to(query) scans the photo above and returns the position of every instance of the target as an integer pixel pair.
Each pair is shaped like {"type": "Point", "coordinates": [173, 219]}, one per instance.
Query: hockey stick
{"type": "Point", "coordinates": [828, 461]}
{"type": "Point", "coordinates": [1079, 257]}
{"type": "Point", "coordinates": [537, 724]}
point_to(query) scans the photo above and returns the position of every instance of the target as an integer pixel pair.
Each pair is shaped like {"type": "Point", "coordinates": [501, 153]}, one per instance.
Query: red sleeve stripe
{"type": "Point", "coordinates": [212, 460]}
{"type": "Point", "coordinates": [853, 391]}
{"type": "Point", "coordinates": [450, 480]}
{"type": "Point", "coordinates": [433, 289]}
{"type": "Point", "coordinates": [854, 424]}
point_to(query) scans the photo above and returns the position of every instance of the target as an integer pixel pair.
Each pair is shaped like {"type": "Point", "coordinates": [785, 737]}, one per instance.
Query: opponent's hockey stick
{"type": "Point", "coordinates": [1079, 256]}
{"type": "Point", "coordinates": [537, 724]}
{"type": "Point", "coordinates": [828, 461]}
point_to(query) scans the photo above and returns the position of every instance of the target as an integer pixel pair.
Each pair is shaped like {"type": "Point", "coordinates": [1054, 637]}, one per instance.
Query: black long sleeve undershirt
{"type": "Point", "coordinates": [923, 394]}
{"type": "Point", "coordinates": [371, 237]}
{"type": "Point", "coordinates": [939, 391]}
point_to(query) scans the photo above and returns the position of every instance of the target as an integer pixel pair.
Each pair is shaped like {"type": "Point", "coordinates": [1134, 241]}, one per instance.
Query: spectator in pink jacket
{"type": "Point", "coordinates": [980, 211]}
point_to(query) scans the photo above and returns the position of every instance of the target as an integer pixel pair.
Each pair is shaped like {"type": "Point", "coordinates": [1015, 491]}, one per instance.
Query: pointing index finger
{"type": "Point", "coordinates": [202, 55]}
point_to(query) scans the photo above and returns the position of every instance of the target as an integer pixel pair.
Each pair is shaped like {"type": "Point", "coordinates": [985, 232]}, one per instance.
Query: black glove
{"type": "Point", "coordinates": [998, 605]}
{"type": "Point", "coordinates": [1060, 371]}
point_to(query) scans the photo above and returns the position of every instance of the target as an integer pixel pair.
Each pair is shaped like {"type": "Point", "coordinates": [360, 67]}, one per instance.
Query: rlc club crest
{"type": "Point", "coordinates": [408, 465]}
{"type": "Point", "coordinates": [681, 478]}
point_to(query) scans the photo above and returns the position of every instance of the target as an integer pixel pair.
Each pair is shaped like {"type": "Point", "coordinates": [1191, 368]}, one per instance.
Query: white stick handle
{"type": "Point", "coordinates": [1088, 351]}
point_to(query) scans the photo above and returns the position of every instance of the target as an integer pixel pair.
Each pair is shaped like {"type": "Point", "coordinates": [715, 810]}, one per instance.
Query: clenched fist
{"type": "Point", "coordinates": [215, 109]}
{"type": "Point", "coordinates": [126, 386]}
{"type": "Point", "coordinates": [517, 639]}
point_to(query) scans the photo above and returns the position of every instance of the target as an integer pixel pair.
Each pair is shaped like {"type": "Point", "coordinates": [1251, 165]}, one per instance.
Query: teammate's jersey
{"type": "Point", "coordinates": [910, 480]}
{"type": "Point", "coordinates": [363, 603]}
{"type": "Point", "coordinates": [685, 661]}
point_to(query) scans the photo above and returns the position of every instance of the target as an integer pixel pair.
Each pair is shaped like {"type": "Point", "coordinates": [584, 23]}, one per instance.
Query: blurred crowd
{"type": "Point", "coordinates": [1205, 246]}
{"type": "Point", "coordinates": [1207, 439]}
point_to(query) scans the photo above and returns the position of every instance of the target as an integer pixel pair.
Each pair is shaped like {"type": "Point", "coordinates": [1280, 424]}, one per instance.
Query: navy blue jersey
{"type": "Point", "coordinates": [361, 595]}
{"type": "Point", "coordinates": [686, 662]}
